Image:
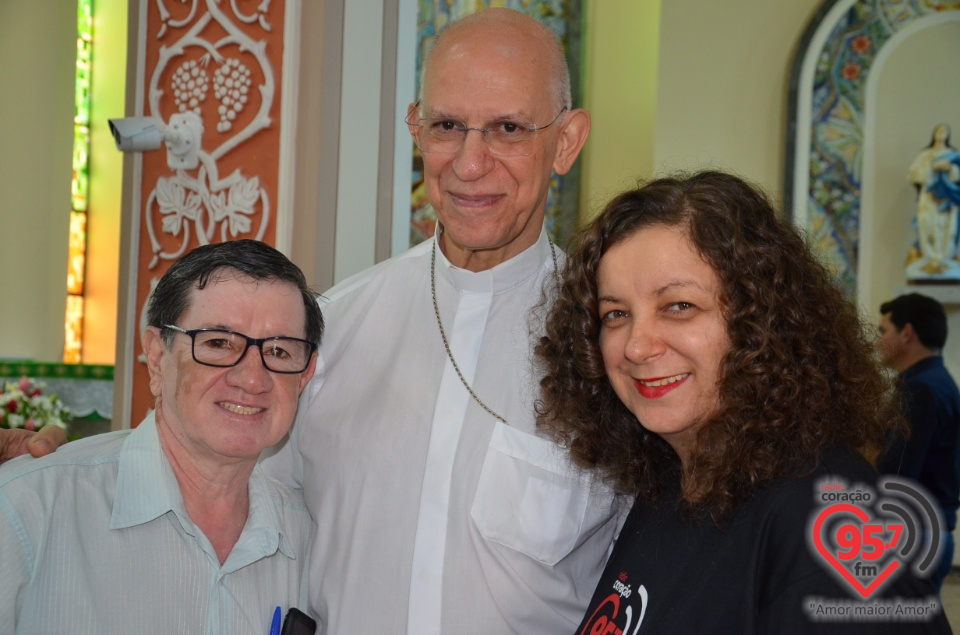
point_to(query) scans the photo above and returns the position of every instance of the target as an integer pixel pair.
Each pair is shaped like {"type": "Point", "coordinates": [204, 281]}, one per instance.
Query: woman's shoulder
{"type": "Point", "coordinates": [787, 508]}
{"type": "Point", "coordinates": [833, 470]}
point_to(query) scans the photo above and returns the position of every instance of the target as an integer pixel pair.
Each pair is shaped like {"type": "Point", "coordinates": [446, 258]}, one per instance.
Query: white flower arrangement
{"type": "Point", "coordinates": [23, 405]}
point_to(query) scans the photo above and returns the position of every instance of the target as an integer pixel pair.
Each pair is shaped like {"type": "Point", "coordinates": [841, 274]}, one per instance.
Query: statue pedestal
{"type": "Point", "coordinates": [922, 271]}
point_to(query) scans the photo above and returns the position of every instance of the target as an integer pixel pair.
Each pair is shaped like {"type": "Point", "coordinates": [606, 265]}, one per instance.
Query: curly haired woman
{"type": "Point", "coordinates": [701, 358]}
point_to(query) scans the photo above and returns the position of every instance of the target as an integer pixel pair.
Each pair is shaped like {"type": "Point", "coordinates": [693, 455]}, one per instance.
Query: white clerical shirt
{"type": "Point", "coordinates": [432, 516]}
{"type": "Point", "coordinates": [95, 540]}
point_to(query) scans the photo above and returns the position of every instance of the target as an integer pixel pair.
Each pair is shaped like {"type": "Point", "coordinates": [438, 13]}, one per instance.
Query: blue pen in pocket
{"type": "Point", "coordinates": [275, 625]}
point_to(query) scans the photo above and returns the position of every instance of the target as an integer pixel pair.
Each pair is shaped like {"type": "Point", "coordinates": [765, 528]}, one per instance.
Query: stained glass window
{"type": "Point", "coordinates": [80, 188]}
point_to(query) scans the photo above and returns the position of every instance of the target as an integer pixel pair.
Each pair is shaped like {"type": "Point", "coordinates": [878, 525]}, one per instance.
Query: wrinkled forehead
{"type": "Point", "coordinates": [223, 275]}
{"type": "Point", "coordinates": [273, 299]}
{"type": "Point", "coordinates": [495, 78]}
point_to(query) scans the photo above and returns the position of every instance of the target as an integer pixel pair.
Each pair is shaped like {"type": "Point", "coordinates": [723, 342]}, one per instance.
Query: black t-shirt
{"type": "Point", "coordinates": [756, 573]}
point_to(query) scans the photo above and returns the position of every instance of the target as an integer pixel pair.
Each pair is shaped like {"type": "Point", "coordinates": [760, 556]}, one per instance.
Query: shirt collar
{"type": "Point", "coordinates": [504, 276]}
{"type": "Point", "coordinates": [147, 489]}
{"type": "Point", "coordinates": [263, 533]}
{"type": "Point", "coordinates": [927, 363]}
{"type": "Point", "coordinates": [146, 486]}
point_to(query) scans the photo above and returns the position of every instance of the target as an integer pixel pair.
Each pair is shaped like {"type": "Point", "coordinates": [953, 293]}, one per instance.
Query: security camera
{"type": "Point", "coordinates": [137, 134]}
{"type": "Point", "coordinates": [182, 137]}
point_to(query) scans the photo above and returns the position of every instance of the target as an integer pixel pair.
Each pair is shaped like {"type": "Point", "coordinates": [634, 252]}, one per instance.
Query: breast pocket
{"type": "Point", "coordinates": [531, 499]}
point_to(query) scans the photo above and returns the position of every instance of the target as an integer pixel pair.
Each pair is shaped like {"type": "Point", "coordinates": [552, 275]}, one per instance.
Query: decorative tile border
{"type": "Point", "coordinates": [54, 370]}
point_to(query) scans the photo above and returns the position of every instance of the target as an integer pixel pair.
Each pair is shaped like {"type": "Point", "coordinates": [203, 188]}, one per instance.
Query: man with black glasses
{"type": "Point", "coordinates": [173, 527]}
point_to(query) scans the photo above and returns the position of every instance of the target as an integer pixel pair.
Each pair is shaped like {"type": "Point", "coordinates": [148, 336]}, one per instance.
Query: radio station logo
{"type": "Point", "coordinates": [622, 610]}
{"type": "Point", "coordinates": [868, 538]}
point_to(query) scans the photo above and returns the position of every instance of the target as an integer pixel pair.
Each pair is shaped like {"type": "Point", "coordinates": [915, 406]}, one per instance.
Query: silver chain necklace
{"type": "Point", "coordinates": [443, 335]}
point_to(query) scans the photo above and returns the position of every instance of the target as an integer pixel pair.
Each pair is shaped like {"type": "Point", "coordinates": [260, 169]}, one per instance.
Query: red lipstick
{"type": "Point", "coordinates": [656, 392]}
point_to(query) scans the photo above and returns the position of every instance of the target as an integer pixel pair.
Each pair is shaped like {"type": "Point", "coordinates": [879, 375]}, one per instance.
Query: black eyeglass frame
{"type": "Point", "coordinates": [416, 122]}
{"type": "Point", "coordinates": [251, 341]}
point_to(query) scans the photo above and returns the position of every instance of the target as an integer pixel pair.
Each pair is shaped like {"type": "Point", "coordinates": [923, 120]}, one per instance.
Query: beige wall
{"type": "Point", "coordinates": [621, 43]}
{"type": "Point", "coordinates": [687, 84]}
{"type": "Point", "coordinates": [722, 91]}
{"type": "Point", "coordinates": [37, 61]}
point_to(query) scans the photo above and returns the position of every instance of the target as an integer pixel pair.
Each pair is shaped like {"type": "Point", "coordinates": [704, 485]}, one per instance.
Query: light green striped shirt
{"type": "Point", "coordinates": [95, 539]}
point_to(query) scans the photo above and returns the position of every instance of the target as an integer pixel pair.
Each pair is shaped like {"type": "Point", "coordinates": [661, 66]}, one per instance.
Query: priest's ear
{"type": "Point", "coordinates": [573, 134]}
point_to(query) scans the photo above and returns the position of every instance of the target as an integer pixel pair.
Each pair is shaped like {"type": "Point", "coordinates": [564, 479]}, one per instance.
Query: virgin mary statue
{"type": "Point", "coordinates": [935, 172]}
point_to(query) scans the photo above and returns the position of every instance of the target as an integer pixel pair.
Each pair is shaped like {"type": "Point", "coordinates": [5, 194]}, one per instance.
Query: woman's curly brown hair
{"type": "Point", "coordinates": [800, 374]}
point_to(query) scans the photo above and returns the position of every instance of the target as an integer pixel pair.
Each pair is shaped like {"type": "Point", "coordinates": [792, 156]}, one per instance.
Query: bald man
{"type": "Point", "coordinates": [439, 508]}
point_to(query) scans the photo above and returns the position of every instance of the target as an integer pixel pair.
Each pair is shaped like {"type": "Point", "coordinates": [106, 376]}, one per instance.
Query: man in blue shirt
{"type": "Point", "coordinates": [912, 333]}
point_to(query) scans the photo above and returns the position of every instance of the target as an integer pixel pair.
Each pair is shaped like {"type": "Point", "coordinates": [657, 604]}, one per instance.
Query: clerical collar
{"type": "Point", "coordinates": [504, 276]}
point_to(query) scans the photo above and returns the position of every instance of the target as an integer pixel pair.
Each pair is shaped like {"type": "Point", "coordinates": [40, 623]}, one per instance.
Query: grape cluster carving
{"type": "Point", "coordinates": [231, 85]}
{"type": "Point", "coordinates": [190, 85]}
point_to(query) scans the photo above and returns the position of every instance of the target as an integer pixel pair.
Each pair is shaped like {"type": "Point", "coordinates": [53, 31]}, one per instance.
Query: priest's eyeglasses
{"type": "Point", "coordinates": [504, 137]}
{"type": "Point", "coordinates": [223, 349]}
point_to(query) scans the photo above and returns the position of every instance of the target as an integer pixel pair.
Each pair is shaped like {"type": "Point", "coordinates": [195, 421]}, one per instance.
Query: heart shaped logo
{"type": "Point", "coordinates": [851, 540]}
